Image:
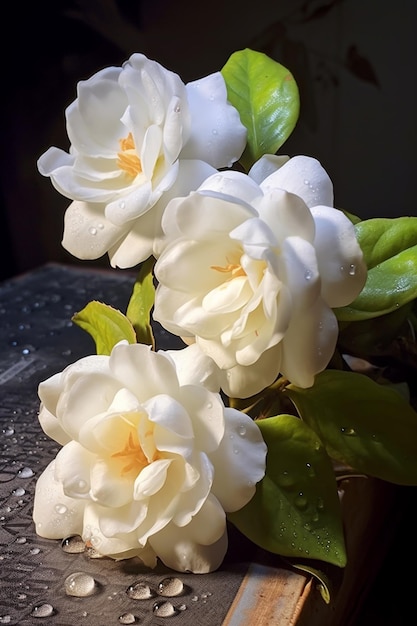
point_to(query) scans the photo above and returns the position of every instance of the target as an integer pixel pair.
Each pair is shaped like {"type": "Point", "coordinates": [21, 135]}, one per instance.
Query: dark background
{"type": "Point", "coordinates": [354, 62]}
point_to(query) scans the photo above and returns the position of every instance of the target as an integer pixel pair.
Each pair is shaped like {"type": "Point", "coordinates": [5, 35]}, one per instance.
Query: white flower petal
{"type": "Point", "coordinates": [195, 368]}
{"type": "Point", "coordinates": [309, 344]}
{"type": "Point", "coordinates": [239, 461]}
{"type": "Point", "coordinates": [88, 234]}
{"type": "Point", "coordinates": [341, 265]}
{"type": "Point", "coordinates": [199, 547]}
{"type": "Point", "coordinates": [304, 177]}
{"type": "Point", "coordinates": [217, 134]}
{"type": "Point", "coordinates": [55, 515]}
{"type": "Point", "coordinates": [265, 166]}
{"type": "Point", "coordinates": [243, 381]}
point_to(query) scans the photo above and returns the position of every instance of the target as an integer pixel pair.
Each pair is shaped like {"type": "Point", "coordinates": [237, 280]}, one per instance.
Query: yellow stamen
{"type": "Point", "coordinates": [234, 268]}
{"type": "Point", "coordinates": [133, 454]}
{"type": "Point", "coordinates": [128, 160]}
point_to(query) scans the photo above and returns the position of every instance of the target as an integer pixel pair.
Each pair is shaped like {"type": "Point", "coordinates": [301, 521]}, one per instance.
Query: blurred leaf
{"type": "Point", "coordinates": [365, 425]}
{"type": "Point", "coordinates": [106, 325]}
{"type": "Point", "coordinates": [266, 96]}
{"type": "Point", "coordinates": [390, 251]}
{"type": "Point", "coordinates": [141, 303]}
{"type": "Point", "coordinates": [295, 511]}
{"type": "Point", "coordinates": [360, 67]}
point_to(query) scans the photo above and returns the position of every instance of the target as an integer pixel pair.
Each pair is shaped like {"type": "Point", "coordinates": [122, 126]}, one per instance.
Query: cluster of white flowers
{"type": "Point", "coordinates": [249, 267]}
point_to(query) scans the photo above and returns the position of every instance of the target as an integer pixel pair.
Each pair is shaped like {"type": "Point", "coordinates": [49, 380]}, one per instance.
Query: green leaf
{"type": "Point", "coordinates": [141, 303]}
{"type": "Point", "coordinates": [363, 424]}
{"type": "Point", "coordinates": [295, 511]}
{"type": "Point", "coordinates": [106, 325]}
{"type": "Point", "coordinates": [390, 251]}
{"type": "Point", "coordinates": [266, 96]}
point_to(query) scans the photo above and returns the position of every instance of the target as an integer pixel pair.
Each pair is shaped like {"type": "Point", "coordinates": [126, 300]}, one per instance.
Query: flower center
{"type": "Point", "coordinates": [128, 160]}
{"type": "Point", "coordinates": [132, 454]}
{"type": "Point", "coordinates": [234, 269]}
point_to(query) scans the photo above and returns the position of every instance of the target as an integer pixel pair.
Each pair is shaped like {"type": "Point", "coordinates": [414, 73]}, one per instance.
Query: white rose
{"type": "Point", "coordinates": [251, 267]}
{"type": "Point", "coordinates": [139, 137]}
{"type": "Point", "coordinates": [150, 463]}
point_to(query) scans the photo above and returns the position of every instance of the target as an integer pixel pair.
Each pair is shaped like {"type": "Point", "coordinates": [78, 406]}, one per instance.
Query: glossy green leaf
{"type": "Point", "coordinates": [295, 511]}
{"type": "Point", "coordinates": [363, 424]}
{"type": "Point", "coordinates": [106, 325]}
{"type": "Point", "coordinates": [266, 96]}
{"type": "Point", "coordinates": [390, 251]}
{"type": "Point", "coordinates": [141, 303]}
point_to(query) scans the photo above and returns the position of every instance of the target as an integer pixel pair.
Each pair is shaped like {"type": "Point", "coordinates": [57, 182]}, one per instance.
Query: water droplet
{"type": "Point", "coordinates": [43, 610]}
{"type": "Point", "coordinates": [73, 544]}
{"type": "Point", "coordinates": [80, 584]}
{"type": "Point", "coordinates": [214, 131]}
{"type": "Point", "coordinates": [177, 109]}
{"type": "Point", "coordinates": [345, 430]}
{"type": "Point", "coordinates": [352, 269]}
{"type": "Point", "coordinates": [127, 618]}
{"type": "Point", "coordinates": [122, 204]}
{"type": "Point", "coordinates": [170, 587]}
{"type": "Point", "coordinates": [301, 501]}
{"type": "Point", "coordinates": [100, 226]}
{"type": "Point", "coordinates": [164, 609]}
{"type": "Point", "coordinates": [140, 591]}
{"type": "Point", "coordinates": [92, 230]}
{"type": "Point", "coordinates": [285, 479]}
{"type": "Point", "coordinates": [310, 470]}
{"type": "Point", "coordinates": [241, 430]}
{"type": "Point", "coordinates": [21, 540]}
{"type": "Point", "coordinates": [61, 509]}
{"type": "Point", "coordinates": [308, 274]}
{"type": "Point", "coordinates": [18, 492]}
{"type": "Point", "coordinates": [5, 619]}
{"type": "Point", "coordinates": [8, 432]}
{"type": "Point", "coordinates": [235, 450]}
{"type": "Point", "coordinates": [25, 472]}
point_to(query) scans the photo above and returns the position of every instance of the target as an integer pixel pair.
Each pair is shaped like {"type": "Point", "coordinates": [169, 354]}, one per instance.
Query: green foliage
{"type": "Point", "coordinates": [141, 303]}
{"type": "Point", "coordinates": [295, 511]}
{"type": "Point", "coordinates": [106, 325]}
{"type": "Point", "coordinates": [365, 425]}
{"type": "Point", "coordinates": [266, 96]}
{"type": "Point", "coordinates": [390, 251]}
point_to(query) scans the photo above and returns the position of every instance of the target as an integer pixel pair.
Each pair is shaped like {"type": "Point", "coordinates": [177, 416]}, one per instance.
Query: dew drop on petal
{"type": "Point", "coordinates": [345, 430]}
{"type": "Point", "coordinates": [92, 230]}
{"type": "Point", "coordinates": [80, 584]}
{"type": "Point", "coordinates": [73, 544]}
{"type": "Point", "coordinates": [61, 509]}
{"type": "Point", "coordinates": [43, 610]}
{"type": "Point", "coordinates": [140, 591]}
{"type": "Point", "coordinates": [241, 430]}
{"type": "Point", "coordinates": [164, 609]}
{"type": "Point", "coordinates": [170, 587]}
